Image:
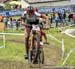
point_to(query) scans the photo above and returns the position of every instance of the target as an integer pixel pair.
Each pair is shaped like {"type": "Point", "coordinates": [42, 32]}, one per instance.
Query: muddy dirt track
{"type": "Point", "coordinates": [52, 54]}
{"type": "Point", "coordinates": [21, 65]}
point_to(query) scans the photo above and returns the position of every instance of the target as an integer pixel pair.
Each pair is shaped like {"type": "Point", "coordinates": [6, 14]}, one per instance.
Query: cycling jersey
{"type": "Point", "coordinates": [33, 19]}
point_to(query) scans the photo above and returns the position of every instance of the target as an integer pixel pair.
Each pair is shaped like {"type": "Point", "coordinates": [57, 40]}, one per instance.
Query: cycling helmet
{"type": "Point", "coordinates": [30, 9]}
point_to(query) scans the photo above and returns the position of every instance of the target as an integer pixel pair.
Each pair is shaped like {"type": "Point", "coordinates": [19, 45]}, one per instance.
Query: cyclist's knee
{"type": "Point", "coordinates": [27, 33]}
{"type": "Point", "coordinates": [26, 37]}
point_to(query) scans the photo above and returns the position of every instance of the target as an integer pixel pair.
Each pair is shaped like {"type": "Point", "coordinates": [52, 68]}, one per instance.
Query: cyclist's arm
{"type": "Point", "coordinates": [46, 18]}
{"type": "Point", "coordinates": [42, 16]}
{"type": "Point", "coordinates": [25, 12]}
{"type": "Point", "coordinates": [23, 16]}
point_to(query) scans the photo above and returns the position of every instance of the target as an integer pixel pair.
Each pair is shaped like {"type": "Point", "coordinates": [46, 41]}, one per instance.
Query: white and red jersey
{"type": "Point", "coordinates": [33, 18]}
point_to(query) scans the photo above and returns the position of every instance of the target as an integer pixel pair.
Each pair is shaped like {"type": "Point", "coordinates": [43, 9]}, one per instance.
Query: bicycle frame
{"type": "Point", "coordinates": [34, 43]}
{"type": "Point", "coordinates": [33, 38]}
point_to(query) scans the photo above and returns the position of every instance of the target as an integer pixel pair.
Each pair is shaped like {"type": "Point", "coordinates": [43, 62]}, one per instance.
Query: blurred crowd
{"type": "Point", "coordinates": [56, 18]}
{"type": "Point", "coordinates": [63, 19]}
{"type": "Point", "coordinates": [11, 23]}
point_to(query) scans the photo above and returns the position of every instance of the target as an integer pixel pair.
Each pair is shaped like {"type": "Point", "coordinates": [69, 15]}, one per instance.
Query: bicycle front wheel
{"type": "Point", "coordinates": [37, 49]}
{"type": "Point", "coordinates": [41, 57]}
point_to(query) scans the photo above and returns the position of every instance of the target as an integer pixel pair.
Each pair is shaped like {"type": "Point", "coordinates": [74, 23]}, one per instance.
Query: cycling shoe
{"type": "Point", "coordinates": [25, 56]}
{"type": "Point", "coordinates": [46, 43]}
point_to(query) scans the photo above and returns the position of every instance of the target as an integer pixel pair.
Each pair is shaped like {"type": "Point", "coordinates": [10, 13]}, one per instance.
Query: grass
{"type": "Point", "coordinates": [15, 51]}
{"type": "Point", "coordinates": [69, 44]}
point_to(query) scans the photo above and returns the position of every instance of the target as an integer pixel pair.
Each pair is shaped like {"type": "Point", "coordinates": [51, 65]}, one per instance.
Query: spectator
{"type": "Point", "coordinates": [53, 15]}
{"type": "Point", "coordinates": [14, 24]}
{"type": "Point", "coordinates": [70, 17]}
{"type": "Point", "coordinates": [56, 19]}
{"type": "Point", "coordinates": [64, 16]}
{"type": "Point", "coordinates": [74, 19]}
{"type": "Point", "coordinates": [11, 25]}
{"type": "Point", "coordinates": [51, 19]}
{"type": "Point", "coordinates": [1, 18]}
{"type": "Point", "coordinates": [60, 17]}
{"type": "Point", "coordinates": [17, 24]}
{"type": "Point", "coordinates": [5, 20]}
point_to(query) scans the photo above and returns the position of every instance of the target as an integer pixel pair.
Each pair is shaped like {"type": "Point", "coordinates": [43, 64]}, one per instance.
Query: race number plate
{"type": "Point", "coordinates": [35, 27]}
{"type": "Point", "coordinates": [41, 43]}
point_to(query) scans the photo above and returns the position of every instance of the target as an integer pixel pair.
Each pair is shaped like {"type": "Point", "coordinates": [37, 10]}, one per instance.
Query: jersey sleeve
{"type": "Point", "coordinates": [38, 14]}
{"type": "Point", "coordinates": [25, 12]}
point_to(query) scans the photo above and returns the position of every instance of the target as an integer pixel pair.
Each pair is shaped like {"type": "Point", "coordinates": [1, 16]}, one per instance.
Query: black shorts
{"type": "Point", "coordinates": [35, 22]}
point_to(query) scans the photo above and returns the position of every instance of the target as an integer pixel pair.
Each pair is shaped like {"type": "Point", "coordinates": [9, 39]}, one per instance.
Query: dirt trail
{"type": "Point", "coordinates": [52, 54]}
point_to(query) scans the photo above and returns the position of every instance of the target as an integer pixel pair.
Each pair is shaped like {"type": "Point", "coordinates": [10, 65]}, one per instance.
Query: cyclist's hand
{"type": "Point", "coordinates": [23, 24]}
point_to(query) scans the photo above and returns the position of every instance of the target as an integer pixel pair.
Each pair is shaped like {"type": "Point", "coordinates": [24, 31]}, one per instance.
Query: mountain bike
{"type": "Point", "coordinates": [36, 53]}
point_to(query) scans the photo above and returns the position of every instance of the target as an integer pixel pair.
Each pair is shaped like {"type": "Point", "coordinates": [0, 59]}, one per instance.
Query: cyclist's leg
{"type": "Point", "coordinates": [27, 33]}
{"type": "Point", "coordinates": [43, 34]}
